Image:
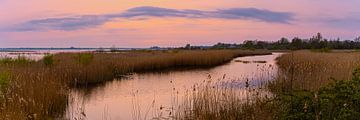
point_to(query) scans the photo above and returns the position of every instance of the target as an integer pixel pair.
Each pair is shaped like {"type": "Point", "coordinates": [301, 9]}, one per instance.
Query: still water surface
{"type": "Point", "coordinates": [35, 54]}
{"type": "Point", "coordinates": [142, 94]}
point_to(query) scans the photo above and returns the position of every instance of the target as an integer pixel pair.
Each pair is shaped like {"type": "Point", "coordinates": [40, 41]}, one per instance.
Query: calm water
{"type": "Point", "coordinates": [141, 95]}
{"type": "Point", "coordinates": [39, 53]}
{"type": "Point", "coordinates": [35, 54]}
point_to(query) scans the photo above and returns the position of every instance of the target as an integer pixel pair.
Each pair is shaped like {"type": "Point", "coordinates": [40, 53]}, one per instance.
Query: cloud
{"type": "Point", "coordinates": [349, 22]}
{"type": "Point", "coordinates": [141, 13]}
{"type": "Point", "coordinates": [67, 23]}
{"type": "Point", "coordinates": [352, 22]}
{"type": "Point", "coordinates": [233, 13]}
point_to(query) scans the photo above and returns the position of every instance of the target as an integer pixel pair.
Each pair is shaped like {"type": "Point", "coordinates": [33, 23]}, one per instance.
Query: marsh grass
{"type": "Point", "coordinates": [48, 60]}
{"type": "Point", "coordinates": [309, 85]}
{"type": "Point", "coordinates": [20, 60]}
{"type": "Point", "coordinates": [212, 101]}
{"type": "Point", "coordinates": [93, 68]}
{"type": "Point", "coordinates": [311, 70]}
{"type": "Point", "coordinates": [84, 58]}
{"type": "Point", "coordinates": [36, 91]}
{"type": "Point", "coordinates": [316, 85]}
{"type": "Point", "coordinates": [4, 80]}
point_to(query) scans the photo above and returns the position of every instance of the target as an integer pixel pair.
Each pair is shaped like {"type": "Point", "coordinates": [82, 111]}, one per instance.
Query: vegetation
{"type": "Point", "coordinates": [36, 91]}
{"type": "Point", "coordinates": [310, 85]}
{"type": "Point", "coordinates": [310, 70]}
{"type": "Point", "coordinates": [20, 60]}
{"type": "Point", "coordinates": [4, 80]}
{"type": "Point", "coordinates": [48, 60]}
{"type": "Point", "coordinates": [317, 42]}
{"type": "Point", "coordinates": [317, 86]}
{"type": "Point", "coordinates": [339, 100]}
{"type": "Point", "coordinates": [84, 58]}
{"type": "Point", "coordinates": [211, 101]}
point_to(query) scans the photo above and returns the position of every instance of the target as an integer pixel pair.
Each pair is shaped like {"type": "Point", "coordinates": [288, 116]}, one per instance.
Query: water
{"type": "Point", "coordinates": [141, 95]}
{"type": "Point", "coordinates": [39, 53]}
{"type": "Point", "coordinates": [36, 54]}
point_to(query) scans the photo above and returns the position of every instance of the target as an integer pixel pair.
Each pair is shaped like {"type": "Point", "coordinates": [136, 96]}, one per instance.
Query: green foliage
{"type": "Point", "coordinates": [4, 80]}
{"type": "Point", "coordinates": [84, 58]}
{"type": "Point", "coordinates": [48, 60]}
{"type": "Point", "coordinates": [340, 100]}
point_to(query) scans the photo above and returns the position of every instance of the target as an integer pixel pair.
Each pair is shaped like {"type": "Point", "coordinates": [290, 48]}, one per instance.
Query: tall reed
{"type": "Point", "coordinates": [311, 70]}
{"type": "Point", "coordinates": [309, 85]}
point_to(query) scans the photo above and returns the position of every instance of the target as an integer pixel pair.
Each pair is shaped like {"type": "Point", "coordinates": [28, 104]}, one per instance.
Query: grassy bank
{"type": "Point", "coordinates": [310, 85]}
{"type": "Point", "coordinates": [39, 90]}
{"type": "Point", "coordinates": [317, 85]}
{"type": "Point", "coordinates": [311, 70]}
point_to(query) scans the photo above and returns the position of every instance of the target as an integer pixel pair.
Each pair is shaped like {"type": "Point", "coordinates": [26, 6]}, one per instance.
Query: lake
{"type": "Point", "coordinates": [39, 53]}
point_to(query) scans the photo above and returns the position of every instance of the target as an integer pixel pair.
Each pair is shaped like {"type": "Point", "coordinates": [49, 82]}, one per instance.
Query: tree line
{"type": "Point", "coordinates": [315, 42]}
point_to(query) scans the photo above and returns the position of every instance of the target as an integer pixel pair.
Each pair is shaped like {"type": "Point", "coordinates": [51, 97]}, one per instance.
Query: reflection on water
{"type": "Point", "coordinates": [141, 95]}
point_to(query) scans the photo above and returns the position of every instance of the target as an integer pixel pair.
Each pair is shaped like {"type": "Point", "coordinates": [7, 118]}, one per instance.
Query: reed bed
{"type": "Point", "coordinates": [311, 70]}
{"type": "Point", "coordinates": [106, 66]}
{"type": "Point", "coordinates": [39, 90]}
{"type": "Point", "coordinates": [309, 85]}
{"type": "Point", "coordinates": [228, 99]}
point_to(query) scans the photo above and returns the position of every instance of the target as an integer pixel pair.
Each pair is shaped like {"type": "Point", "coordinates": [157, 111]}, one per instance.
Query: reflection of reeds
{"type": "Point", "coordinates": [246, 62]}
{"type": "Point", "coordinates": [39, 90]}
{"type": "Point", "coordinates": [227, 100]}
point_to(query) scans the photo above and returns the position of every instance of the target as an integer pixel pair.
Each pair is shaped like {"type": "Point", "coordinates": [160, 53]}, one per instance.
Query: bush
{"type": "Point", "coordinates": [4, 80]}
{"type": "Point", "coordinates": [48, 60]}
{"type": "Point", "coordinates": [85, 58]}
{"type": "Point", "coordinates": [340, 100]}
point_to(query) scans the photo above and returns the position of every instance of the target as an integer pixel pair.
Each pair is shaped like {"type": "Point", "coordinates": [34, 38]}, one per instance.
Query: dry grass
{"type": "Point", "coordinates": [301, 75]}
{"type": "Point", "coordinates": [311, 70]}
{"type": "Point", "coordinates": [212, 101]}
{"type": "Point", "coordinates": [39, 90]}
{"type": "Point", "coordinates": [106, 66]}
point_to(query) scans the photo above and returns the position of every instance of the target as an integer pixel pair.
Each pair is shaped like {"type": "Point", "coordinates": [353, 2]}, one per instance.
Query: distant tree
{"type": "Point", "coordinates": [296, 43]}
{"type": "Point", "coordinates": [188, 46]}
{"type": "Point", "coordinates": [284, 41]}
{"type": "Point", "coordinates": [262, 45]}
{"type": "Point", "coordinates": [318, 37]}
{"type": "Point", "coordinates": [357, 39]}
{"type": "Point", "coordinates": [249, 44]}
{"type": "Point", "coordinates": [315, 41]}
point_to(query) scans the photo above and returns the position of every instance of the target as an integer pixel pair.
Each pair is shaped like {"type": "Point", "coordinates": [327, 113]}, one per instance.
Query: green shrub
{"type": "Point", "coordinates": [4, 80]}
{"type": "Point", "coordinates": [48, 60]}
{"type": "Point", "coordinates": [340, 100]}
{"type": "Point", "coordinates": [84, 58]}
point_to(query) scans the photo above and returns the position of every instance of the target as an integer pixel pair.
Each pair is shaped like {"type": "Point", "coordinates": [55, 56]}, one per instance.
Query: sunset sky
{"type": "Point", "coordinates": [145, 23]}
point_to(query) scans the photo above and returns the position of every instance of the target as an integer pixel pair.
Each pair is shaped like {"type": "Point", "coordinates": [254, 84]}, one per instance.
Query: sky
{"type": "Point", "coordinates": [171, 23]}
